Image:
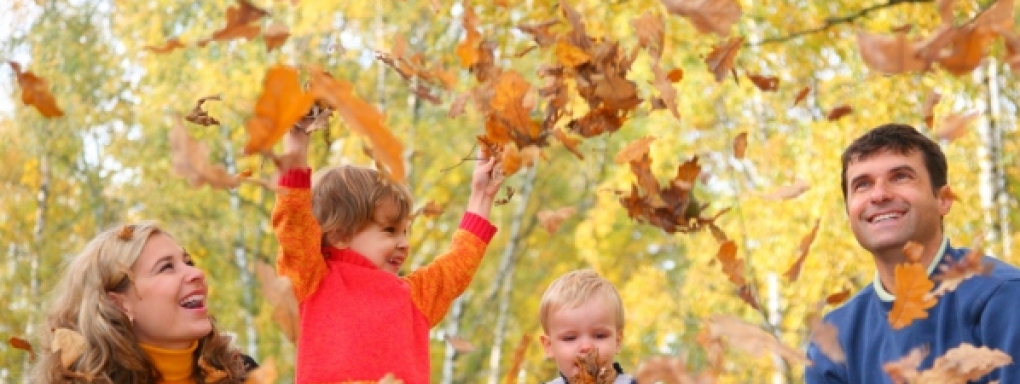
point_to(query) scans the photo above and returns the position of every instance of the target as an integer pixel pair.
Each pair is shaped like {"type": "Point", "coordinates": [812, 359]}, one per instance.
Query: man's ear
{"type": "Point", "coordinates": [945, 197]}
{"type": "Point", "coordinates": [546, 345]}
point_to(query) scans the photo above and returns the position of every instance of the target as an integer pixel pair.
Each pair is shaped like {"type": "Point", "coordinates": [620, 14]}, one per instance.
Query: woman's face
{"type": "Point", "coordinates": [167, 300]}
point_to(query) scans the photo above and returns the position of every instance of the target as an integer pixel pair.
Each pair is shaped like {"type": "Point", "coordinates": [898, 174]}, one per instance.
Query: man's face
{"type": "Point", "coordinates": [890, 202]}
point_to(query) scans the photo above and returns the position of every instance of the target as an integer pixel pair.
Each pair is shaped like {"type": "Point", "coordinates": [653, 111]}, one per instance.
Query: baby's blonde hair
{"type": "Point", "coordinates": [575, 288]}
{"type": "Point", "coordinates": [344, 199]}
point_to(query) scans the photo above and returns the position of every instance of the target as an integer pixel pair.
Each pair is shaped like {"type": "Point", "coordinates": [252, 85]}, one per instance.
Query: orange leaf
{"type": "Point", "coordinates": [708, 16]}
{"type": "Point", "coordinates": [764, 83]}
{"type": "Point", "coordinates": [551, 219]}
{"type": "Point", "coordinates": [281, 104]}
{"type": "Point", "coordinates": [511, 160]}
{"type": "Point", "coordinates": [954, 126]}
{"type": "Point", "coordinates": [968, 47]}
{"type": "Point", "coordinates": [720, 60]}
{"type": "Point", "coordinates": [239, 19]}
{"type": "Point", "coordinates": [362, 118]}
{"type": "Point", "coordinates": [928, 109]}
{"type": "Point", "coordinates": [35, 92]}
{"type": "Point", "coordinates": [431, 209]}
{"type": "Point", "coordinates": [740, 145]}
{"type": "Point", "coordinates": [801, 95]}
{"type": "Point", "coordinates": [664, 85]}
{"type": "Point", "coordinates": [889, 54]}
{"type": "Point", "coordinates": [275, 35]}
{"type": "Point", "coordinates": [515, 364]}
{"type": "Point", "coordinates": [732, 266]}
{"type": "Point", "coordinates": [511, 108]}
{"type": "Point", "coordinates": [569, 55]}
{"type": "Point", "coordinates": [168, 47]}
{"type": "Point", "coordinates": [467, 50]}
{"type": "Point", "coordinates": [838, 112]}
{"type": "Point", "coordinates": [838, 297]}
{"type": "Point", "coordinates": [571, 143]}
{"type": "Point", "coordinates": [911, 287]}
{"type": "Point", "coordinates": [805, 245]}
{"type": "Point", "coordinates": [965, 363]}
{"type": "Point", "coordinates": [675, 75]}
{"type": "Point", "coordinates": [635, 150]}
{"type": "Point", "coordinates": [826, 336]}
{"type": "Point", "coordinates": [459, 344]}
{"type": "Point", "coordinates": [788, 192]}
{"type": "Point", "coordinates": [189, 159]}
{"type": "Point", "coordinates": [23, 345]}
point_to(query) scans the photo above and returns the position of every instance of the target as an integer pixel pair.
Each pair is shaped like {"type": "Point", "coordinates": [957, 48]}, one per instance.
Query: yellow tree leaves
{"type": "Point", "coordinates": [35, 92]}
{"type": "Point", "coordinates": [281, 104]}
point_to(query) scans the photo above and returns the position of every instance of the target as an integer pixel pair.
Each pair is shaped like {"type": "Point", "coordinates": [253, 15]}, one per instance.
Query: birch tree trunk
{"type": "Point", "coordinates": [42, 203]}
{"type": "Point", "coordinates": [992, 180]}
{"type": "Point", "coordinates": [241, 254]}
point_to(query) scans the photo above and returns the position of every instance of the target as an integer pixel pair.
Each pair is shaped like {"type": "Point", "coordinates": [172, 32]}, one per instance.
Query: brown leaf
{"type": "Point", "coordinates": [593, 370]}
{"type": "Point", "coordinates": [390, 379]}
{"type": "Point", "coordinates": [890, 54]}
{"type": "Point", "coordinates": [764, 83]}
{"type": "Point", "coordinates": [838, 112]}
{"type": "Point", "coordinates": [266, 373]}
{"type": "Point", "coordinates": [189, 159]}
{"type": "Point", "coordinates": [635, 150]}
{"type": "Point", "coordinates": [904, 370]}
{"type": "Point", "coordinates": [826, 336]}
{"type": "Point", "coordinates": [35, 92]}
{"type": "Point", "coordinates": [928, 109]}
{"type": "Point", "coordinates": [954, 126]}
{"type": "Point", "coordinates": [747, 296]}
{"type": "Point", "coordinates": [431, 209]}
{"type": "Point", "coordinates": [720, 60]}
{"type": "Point", "coordinates": [459, 344]}
{"type": "Point", "coordinates": [200, 116]}
{"type": "Point", "coordinates": [675, 75]}
{"type": "Point", "coordinates": [68, 344]}
{"type": "Point", "coordinates": [515, 364]}
{"type": "Point", "coordinates": [551, 219]}
{"type": "Point", "coordinates": [801, 95]}
{"type": "Point", "coordinates": [953, 273]}
{"type": "Point", "coordinates": [511, 110]}
{"type": "Point", "coordinates": [22, 344]}
{"type": "Point", "coordinates": [965, 363]}
{"type": "Point", "coordinates": [740, 145]}
{"type": "Point", "coordinates": [467, 50]}
{"type": "Point", "coordinates": [281, 104]}
{"type": "Point", "coordinates": [279, 292]}
{"type": "Point", "coordinates": [362, 118]}
{"type": "Point", "coordinates": [911, 287]}
{"type": "Point", "coordinates": [967, 48]}
{"type": "Point", "coordinates": [239, 19]}
{"type": "Point", "coordinates": [649, 30]}
{"type": "Point", "coordinates": [788, 192]}
{"type": "Point", "coordinates": [752, 339]}
{"type": "Point", "coordinates": [167, 47]}
{"type": "Point", "coordinates": [275, 35]}
{"type": "Point", "coordinates": [838, 297]}
{"type": "Point", "coordinates": [732, 266]}
{"type": "Point", "coordinates": [708, 16]}
{"type": "Point", "coordinates": [457, 106]}
{"type": "Point", "coordinates": [664, 85]}
{"type": "Point", "coordinates": [571, 143]}
{"type": "Point", "coordinates": [540, 32]}
{"type": "Point", "coordinates": [805, 245]}
{"type": "Point", "coordinates": [569, 55]}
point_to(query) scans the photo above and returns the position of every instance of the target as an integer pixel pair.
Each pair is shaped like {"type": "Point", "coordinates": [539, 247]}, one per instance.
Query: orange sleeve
{"type": "Point", "coordinates": [435, 286]}
{"type": "Point", "coordinates": [300, 257]}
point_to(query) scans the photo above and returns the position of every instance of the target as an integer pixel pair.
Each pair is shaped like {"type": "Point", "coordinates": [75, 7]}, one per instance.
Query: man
{"type": "Point", "coordinates": [895, 189]}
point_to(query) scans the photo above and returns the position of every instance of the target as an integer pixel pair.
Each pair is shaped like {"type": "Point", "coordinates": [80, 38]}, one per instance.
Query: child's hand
{"type": "Point", "coordinates": [485, 183]}
{"type": "Point", "coordinates": [295, 148]}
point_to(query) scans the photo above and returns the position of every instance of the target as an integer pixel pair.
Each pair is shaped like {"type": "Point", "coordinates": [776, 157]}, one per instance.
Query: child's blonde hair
{"type": "Point", "coordinates": [575, 288]}
{"type": "Point", "coordinates": [80, 303]}
{"type": "Point", "coordinates": [344, 200]}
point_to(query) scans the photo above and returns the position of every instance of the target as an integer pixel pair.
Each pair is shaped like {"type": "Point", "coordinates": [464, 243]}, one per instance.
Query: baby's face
{"type": "Point", "coordinates": [572, 332]}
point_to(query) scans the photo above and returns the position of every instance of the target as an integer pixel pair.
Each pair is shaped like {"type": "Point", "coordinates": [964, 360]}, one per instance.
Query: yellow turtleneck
{"type": "Point", "coordinates": [174, 364]}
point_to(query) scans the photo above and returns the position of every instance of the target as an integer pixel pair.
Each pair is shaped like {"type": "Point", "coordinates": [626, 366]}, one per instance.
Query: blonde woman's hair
{"type": "Point", "coordinates": [112, 355]}
{"type": "Point", "coordinates": [344, 200]}
{"type": "Point", "coordinates": [576, 288]}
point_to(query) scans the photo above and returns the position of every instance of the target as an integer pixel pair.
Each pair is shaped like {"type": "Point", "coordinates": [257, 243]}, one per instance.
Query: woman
{"type": "Point", "coordinates": [139, 304]}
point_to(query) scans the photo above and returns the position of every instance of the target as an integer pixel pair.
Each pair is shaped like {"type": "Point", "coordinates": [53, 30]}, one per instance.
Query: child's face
{"type": "Point", "coordinates": [572, 332]}
{"type": "Point", "coordinates": [384, 240]}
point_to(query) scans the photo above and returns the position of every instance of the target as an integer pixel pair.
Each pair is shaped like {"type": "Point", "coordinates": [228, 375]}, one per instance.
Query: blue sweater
{"type": "Point", "coordinates": [983, 311]}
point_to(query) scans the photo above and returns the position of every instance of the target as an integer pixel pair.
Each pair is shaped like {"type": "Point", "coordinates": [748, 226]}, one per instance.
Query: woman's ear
{"type": "Point", "coordinates": [118, 301]}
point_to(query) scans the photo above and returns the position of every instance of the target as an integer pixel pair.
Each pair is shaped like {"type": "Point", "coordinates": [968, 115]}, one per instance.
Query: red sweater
{"type": "Point", "coordinates": [358, 322]}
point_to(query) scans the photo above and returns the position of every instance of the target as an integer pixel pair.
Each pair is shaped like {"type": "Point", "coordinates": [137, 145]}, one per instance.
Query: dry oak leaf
{"type": "Point", "coordinates": [569, 55]}
{"type": "Point", "coordinates": [826, 336]}
{"type": "Point", "coordinates": [720, 60]}
{"type": "Point", "coordinates": [751, 338]}
{"type": "Point", "coordinates": [281, 104]}
{"type": "Point", "coordinates": [168, 47]}
{"type": "Point", "coordinates": [954, 126]}
{"type": "Point", "coordinates": [510, 108]}
{"type": "Point", "coordinates": [764, 83]}
{"type": "Point", "coordinates": [904, 370]}
{"type": "Point", "coordinates": [664, 84]}
{"type": "Point", "coordinates": [239, 23]}
{"type": "Point", "coordinates": [801, 95]}
{"type": "Point", "coordinates": [593, 370]}
{"type": "Point", "coordinates": [275, 35]}
{"type": "Point", "coordinates": [928, 109]}
{"type": "Point", "coordinates": [964, 364]}
{"type": "Point", "coordinates": [467, 50]}
{"type": "Point", "coordinates": [35, 92]}
{"type": "Point", "coordinates": [708, 16]}
{"type": "Point", "coordinates": [838, 112]}
{"type": "Point", "coordinates": [805, 245]}
{"type": "Point", "coordinates": [459, 344]}
{"type": "Point", "coordinates": [838, 297]}
{"type": "Point", "coordinates": [911, 286]}
{"type": "Point", "coordinates": [22, 344]}
{"type": "Point", "coordinates": [952, 273]}
{"type": "Point", "coordinates": [732, 266]}
{"type": "Point", "coordinates": [890, 54]}
{"type": "Point", "coordinates": [266, 373]}
{"type": "Point", "coordinates": [788, 192]}
{"type": "Point", "coordinates": [68, 344]}
{"type": "Point", "coordinates": [649, 29]}
{"type": "Point", "coordinates": [540, 32]}
{"type": "Point", "coordinates": [635, 150]}
{"type": "Point", "coordinates": [570, 142]}
{"type": "Point", "coordinates": [279, 292]}
{"type": "Point", "coordinates": [362, 118]}
{"type": "Point", "coordinates": [662, 369]}
{"type": "Point", "coordinates": [740, 145]}
{"type": "Point", "coordinates": [189, 159]}
{"type": "Point", "coordinates": [551, 219]}
{"type": "Point", "coordinates": [200, 116]}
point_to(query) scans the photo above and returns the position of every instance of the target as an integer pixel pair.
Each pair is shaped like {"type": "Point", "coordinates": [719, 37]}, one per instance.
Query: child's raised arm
{"type": "Point", "coordinates": [485, 183]}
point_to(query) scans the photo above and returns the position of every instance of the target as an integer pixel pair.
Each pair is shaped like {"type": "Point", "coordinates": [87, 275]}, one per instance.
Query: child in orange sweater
{"type": "Point", "coordinates": [342, 243]}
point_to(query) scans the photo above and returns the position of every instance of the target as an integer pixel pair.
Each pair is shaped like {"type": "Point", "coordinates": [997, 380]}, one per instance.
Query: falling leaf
{"type": "Point", "coordinates": [838, 112]}
{"type": "Point", "coordinates": [511, 110]}
{"type": "Point", "coordinates": [571, 143]}
{"type": "Point", "coordinates": [751, 338]}
{"type": "Point", "coordinates": [239, 23]}
{"type": "Point", "coordinates": [805, 245]}
{"type": "Point", "coordinates": [732, 266]}
{"type": "Point", "coordinates": [189, 159]}
{"type": "Point", "coordinates": [22, 344]}
{"type": "Point", "coordinates": [954, 126]}
{"type": "Point", "coordinates": [911, 286]}
{"type": "Point", "coordinates": [740, 145]}
{"type": "Point", "coordinates": [279, 293]}
{"type": "Point", "coordinates": [551, 219]}
{"type": "Point", "coordinates": [675, 75]}
{"type": "Point", "coordinates": [708, 16]}
{"type": "Point", "coordinates": [467, 50]}
{"type": "Point", "coordinates": [126, 233]}
{"type": "Point", "coordinates": [928, 109]}
{"type": "Point", "coordinates": [905, 369]}
{"type": "Point", "coordinates": [825, 335]}
{"type": "Point", "coordinates": [788, 192]}
{"type": "Point", "coordinates": [266, 373]}
{"type": "Point", "coordinates": [35, 92]}
{"type": "Point", "coordinates": [68, 344]}
{"type": "Point", "coordinates": [275, 35]}
{"type": "Point", "coordinates": [281, 104]}
{"type": "Point", "coordinates": [664, 85]}
{"type": "Point", "coordinates": [518, 359]}
{"type": "Point", "coordinates": [838, 297]}
{"type": "Point", "coordinates": [540, 32]}
{"type": "Point", "coordinates": [913, 251]}
{"type": "Point", "coordinates": [431, 209]}
{"type": "Point", "coordinates": [362, 118]}
{"type": "Point", "coordinates": [457, 106]}
{"type": "Point", "coordinates": [747, 296]}
{"type": "Point", "coordinates": [569, 55]}
{"type": "Point", "coordinates": [953, 273]}
{"type": "Point", "coordinates": [890, 54]}
{"type": "Point", "coordinates": [965, 364]}
{"type": "Point", "coordinates": [649, 30]}
{"type": "Point", "coordinates": [200, 116]}
{"type": "Point", "coordinates": [635, 150]}
{"type": "Point", "coordinates": [168, 47]}
{"type": "Point", "coordinates": [459, 344]}
{"type": "Point", "coordinates": [801, 95]}
{"type": "Point", "coordinates": [720, 60]}
{"type": "Point", "coordinates": [764, 83]}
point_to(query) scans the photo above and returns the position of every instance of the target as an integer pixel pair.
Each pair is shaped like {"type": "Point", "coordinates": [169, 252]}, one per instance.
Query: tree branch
{"type": "Point", "coordinates": [836, 20]}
